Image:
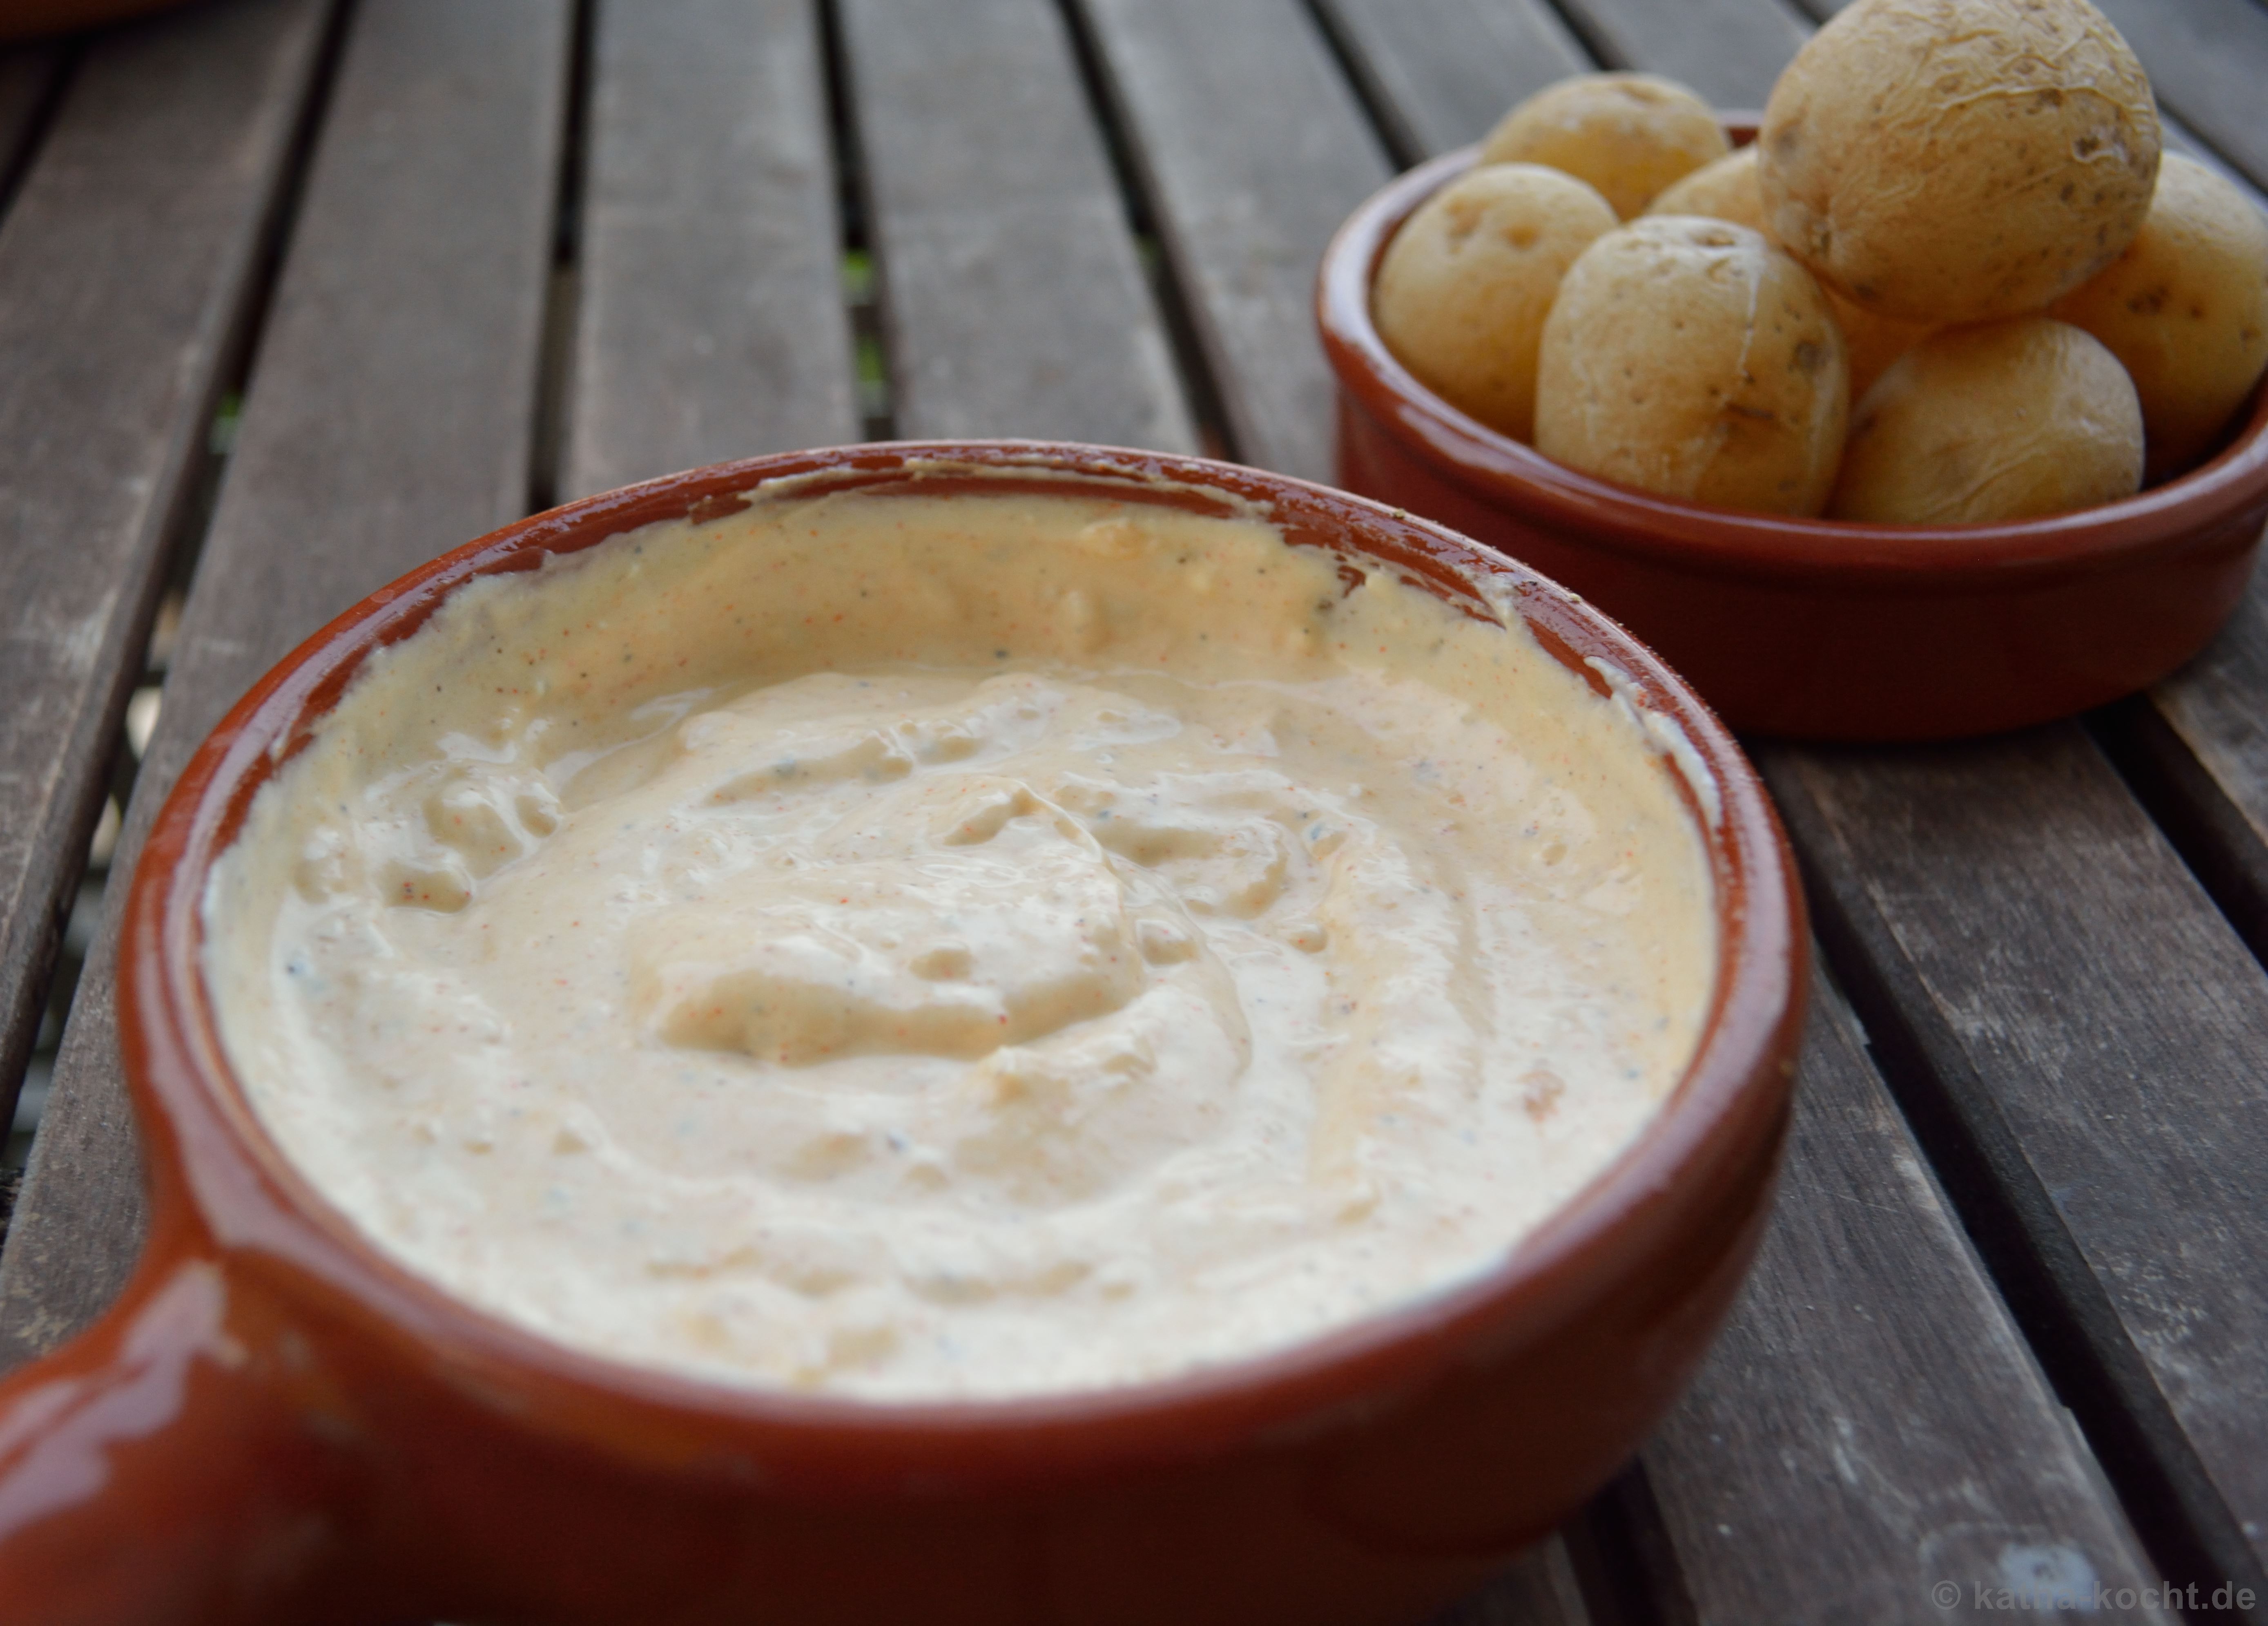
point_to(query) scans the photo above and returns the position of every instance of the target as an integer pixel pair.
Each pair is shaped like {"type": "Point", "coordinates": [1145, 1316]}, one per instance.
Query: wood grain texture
{"type": "Point", "coordinates": [2197, 749]}
{"type": "Point", "coordinates": [1728, 50]}
{"type": "Point", "coordinates": [388, 418]}
{"type": "Point", "coordinates": [1441, 73]}
{"type": "Point", "coordinates": [1013, 297]}
{"type": "Point", "coordinates": [125, 271]}
{"type": "Point", "coordinates": [1251, 148]}
{"type": "Point", "coordinates": [1872, 1424]}
{"type": "Point", "coordinates": [2096, 1030]}
{"type": "Point", "coordinates": [711, 322]}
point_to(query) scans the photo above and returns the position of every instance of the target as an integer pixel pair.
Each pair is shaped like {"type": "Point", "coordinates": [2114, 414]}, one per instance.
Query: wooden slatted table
{"type": "Point", "coordinates": [458, 259]}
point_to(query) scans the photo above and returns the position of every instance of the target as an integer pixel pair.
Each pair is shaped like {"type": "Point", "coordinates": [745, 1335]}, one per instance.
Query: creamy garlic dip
{"type": "Point", "coordinates": [918, 948]}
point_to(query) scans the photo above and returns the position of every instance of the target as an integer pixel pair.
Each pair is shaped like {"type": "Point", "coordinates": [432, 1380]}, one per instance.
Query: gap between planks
{"type": "Point", "coordinates": [133, 258]}
{"type": "Point", "coordinates": [388, 416]}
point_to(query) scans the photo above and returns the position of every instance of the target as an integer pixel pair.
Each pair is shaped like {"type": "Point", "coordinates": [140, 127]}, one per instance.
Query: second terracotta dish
{"type": "Point", "coordinates": [1812, 629]}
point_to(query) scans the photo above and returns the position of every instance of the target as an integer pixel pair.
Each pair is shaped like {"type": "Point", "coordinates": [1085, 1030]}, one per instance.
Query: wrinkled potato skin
{"type": "Point", "coordinates": [1628, 134]}
{"type": "Point", "coordinates": [1691, 358]}
{"type": "Point", "coordinates": [2185, 310]}
{"type": "Point", "coordinates": [1959, 161]}
{"type": "Point", "coordinates": [1728, 189]}
{"type": "Point", "coordinates": [1464, 287]}
{"type": "Point", "coordinates": [2007, 421]}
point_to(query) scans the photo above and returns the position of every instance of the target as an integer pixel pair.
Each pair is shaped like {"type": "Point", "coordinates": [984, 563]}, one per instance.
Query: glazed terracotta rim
{"type": "Point", "coordinates": [210, 1159]}
{"type": "Point", "coordinates": [1801, 553]}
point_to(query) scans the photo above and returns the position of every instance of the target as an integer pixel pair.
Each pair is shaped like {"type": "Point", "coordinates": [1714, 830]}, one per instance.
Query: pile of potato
{"type": "Point", "coordinates": [1951, 281]}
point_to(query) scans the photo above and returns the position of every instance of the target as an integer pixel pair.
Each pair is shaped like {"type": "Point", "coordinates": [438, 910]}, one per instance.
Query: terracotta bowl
{"type": "Point", "coordinates": [278, 1423]}
{"type": "Point", "coordinates": [1815, 629]}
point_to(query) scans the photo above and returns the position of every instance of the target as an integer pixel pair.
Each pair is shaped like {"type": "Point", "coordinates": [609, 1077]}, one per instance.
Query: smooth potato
{"type": "Point", "coordinates": [1463, 289]}
{"type": "Point", "coordinates": [1691, 358]}
{"type": "Point", "coordinates": [1725, 189]}
{"type": "Point", "coordinates": [1628, 134]}
{"type": "Point", "coordinates": [1728, 189]}
{"type": "Point", "coordinates": [2185, 310]}
{"type": "Point", "coordinates": [2005, 421]}
{"type": "Point", "coordinates": [1959, 161]}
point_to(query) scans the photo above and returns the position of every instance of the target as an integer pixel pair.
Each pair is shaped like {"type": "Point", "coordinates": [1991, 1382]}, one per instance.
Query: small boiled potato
{"type": "Point", "coordinates": [2006, 421]}
{"type": "Point", "coordinates": [1728, 190]}
{"type": "Point", "coordinates": [2185, 310]}
{"type": "Point", "coordinates": [1725, 189]}
{"type": "Point", "coordinates": [1464, 290]}
{"type": "Point", "coordinates": [1959, 161]}
{"type": "Point", "coordinates": [1628, 134]}
{"type": "Point", "coordinates": [1691, 358]}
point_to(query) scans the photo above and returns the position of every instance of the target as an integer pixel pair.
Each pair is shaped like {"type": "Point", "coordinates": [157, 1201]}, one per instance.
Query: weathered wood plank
{"type": "Point", "coordinates": [1728, 50]}
{"type": "Point", "coordinates": [389, 418]}
{"type": "Point", "coordinates": [1440, 73]}
{"type": "Point", "coordinates": [1013, 297]}
{"type": "Point", "coordinates": [2196, 753]}
{"type": "Point", "coordinates": [2078, 1013]}
{"type": "Point", "coordinates": [712, 316]}
{"type": "Point", "coordinates": [1251, 148]}
{"type": "Point", "coordinates": [126, 267]}
{"type": "Point", "coordinates": [1871, 1425]}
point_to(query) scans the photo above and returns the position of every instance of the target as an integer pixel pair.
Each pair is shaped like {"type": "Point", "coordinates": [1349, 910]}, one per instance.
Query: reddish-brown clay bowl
{"type": "Point", "coordinates": [1815, 629]}
{"type": "Point", "coordinates": [278, 1425]}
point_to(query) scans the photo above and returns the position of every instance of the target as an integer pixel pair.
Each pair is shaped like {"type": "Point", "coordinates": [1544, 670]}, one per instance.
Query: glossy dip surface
{"type": "Point", "coordinates": [917, 949]}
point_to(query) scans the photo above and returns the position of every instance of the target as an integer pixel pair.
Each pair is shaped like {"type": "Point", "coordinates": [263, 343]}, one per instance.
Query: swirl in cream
{"type": "Point", "coordinates": [921, 948]}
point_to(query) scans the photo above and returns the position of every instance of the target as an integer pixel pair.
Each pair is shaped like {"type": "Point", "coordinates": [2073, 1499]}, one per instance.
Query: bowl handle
{"type": "Point", "coordinates": [181, 1461]}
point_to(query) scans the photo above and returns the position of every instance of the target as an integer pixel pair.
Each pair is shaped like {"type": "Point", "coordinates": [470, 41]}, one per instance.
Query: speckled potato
{"type": "Point", "coordinates": [2185, 310]}
{"type": "Point", "coordinates": [1464, 287]}
{"type": "Point", "coordinates": [1691, 358]}
{"type": "Point", "coordinates": [1959, 161]}
{"type": "Point", "coordinates": [1628, 134]}
{"type": "Point", "coordinates": [1728, 190]}
{"type": "Point", "coordinates": [2006, 421]}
